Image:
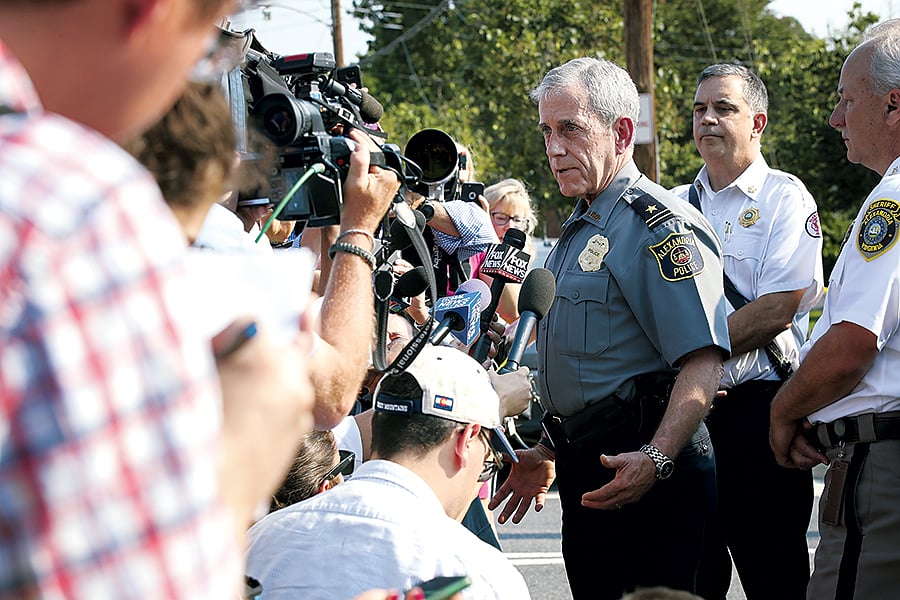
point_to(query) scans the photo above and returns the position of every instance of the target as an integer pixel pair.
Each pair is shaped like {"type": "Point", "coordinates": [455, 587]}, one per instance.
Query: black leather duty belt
{"type": "Point", "coordinates": [867, 427]}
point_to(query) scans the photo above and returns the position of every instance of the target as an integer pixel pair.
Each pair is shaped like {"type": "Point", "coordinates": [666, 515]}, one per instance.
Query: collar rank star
{"type": "Point", "coordinates": [652, 208]}
{"type": "Point", "coordinates": [749, 217]}
{"type": "Point", "coordinates": [591, 258]}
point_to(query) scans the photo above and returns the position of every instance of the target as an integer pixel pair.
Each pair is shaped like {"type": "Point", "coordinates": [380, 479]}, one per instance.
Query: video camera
{"type": "Point", "coordinates": [302, 106]}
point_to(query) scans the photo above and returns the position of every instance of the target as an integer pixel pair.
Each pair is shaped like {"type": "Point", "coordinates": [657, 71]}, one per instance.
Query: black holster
{"type": "Point", "coordinates": [628, 416]}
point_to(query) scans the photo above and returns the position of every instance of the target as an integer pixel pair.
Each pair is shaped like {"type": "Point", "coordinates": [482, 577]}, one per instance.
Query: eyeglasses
{"type": "Point", "coordinates": [224, 52]}
{"type": "Point", "coordinates": [500, 219]}
{"type": "Point", "coordinates": [344, 466]}
{"type": "Point", "coordinates": [493, 460]}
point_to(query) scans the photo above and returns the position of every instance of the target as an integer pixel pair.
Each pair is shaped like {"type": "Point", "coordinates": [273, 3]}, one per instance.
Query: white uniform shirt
{"type": "Point", "coordinates": [768, 224]}
{"type": "Point", "coordinates": [384, 529]}
{"type": "Point", "coordinates": [865, 290]}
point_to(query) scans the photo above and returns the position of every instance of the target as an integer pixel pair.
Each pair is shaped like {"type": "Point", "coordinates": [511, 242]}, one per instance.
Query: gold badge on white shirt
{"type": "Point", "coordinates": [591, 258]}
{"type": "Point", "coordinates": [749, 217]}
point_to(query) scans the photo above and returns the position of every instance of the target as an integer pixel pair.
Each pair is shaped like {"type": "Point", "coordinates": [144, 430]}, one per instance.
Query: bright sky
{"type": "Point", "coordinates": [297, 26]}
{"type": "Point", "coordinates": [819, 15]}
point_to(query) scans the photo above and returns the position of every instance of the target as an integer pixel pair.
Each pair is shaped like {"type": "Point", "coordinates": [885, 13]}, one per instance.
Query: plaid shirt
{"type": "Point", "coordinates": [109, 408]}
{"type": "Point", "coordinates": [476, 232]}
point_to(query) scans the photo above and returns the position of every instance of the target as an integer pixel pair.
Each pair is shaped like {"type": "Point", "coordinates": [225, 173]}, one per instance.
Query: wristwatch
{"type": "Point", "coordinates": [664, 464]}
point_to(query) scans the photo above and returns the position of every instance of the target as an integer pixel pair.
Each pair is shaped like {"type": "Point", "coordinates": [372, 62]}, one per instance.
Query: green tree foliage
{"type": "Point", "coordinates": [467, 66]}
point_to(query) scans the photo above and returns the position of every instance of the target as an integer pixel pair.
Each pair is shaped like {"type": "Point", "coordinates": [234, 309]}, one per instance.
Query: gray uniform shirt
{"type": "Point", "coordinates": [636, 290]}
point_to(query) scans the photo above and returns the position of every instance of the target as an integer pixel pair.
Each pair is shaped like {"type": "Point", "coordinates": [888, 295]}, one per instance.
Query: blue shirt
{"type": "Point", "coordinates": [636, 290]}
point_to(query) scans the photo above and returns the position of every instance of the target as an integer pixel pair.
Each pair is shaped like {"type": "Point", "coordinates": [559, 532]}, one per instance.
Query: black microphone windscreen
{"type": "Point", "coordinates": [370, 109]}
{"type": "Point", "coordinates": [515, 238]}
{"type": "Point", "coordinates": [537, 293]}
{"type": "Point", "coordinates": [411, 283]}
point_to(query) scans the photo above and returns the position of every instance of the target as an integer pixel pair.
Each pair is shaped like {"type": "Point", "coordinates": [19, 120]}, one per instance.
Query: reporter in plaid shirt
{"type": "Point", "coordinates": [113, 428]}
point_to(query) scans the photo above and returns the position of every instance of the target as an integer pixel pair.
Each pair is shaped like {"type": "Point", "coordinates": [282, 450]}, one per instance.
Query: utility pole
{"type": "Point", "coordinates": [639, 57]}
{"type": "Point", "coordinates": [336, 33]}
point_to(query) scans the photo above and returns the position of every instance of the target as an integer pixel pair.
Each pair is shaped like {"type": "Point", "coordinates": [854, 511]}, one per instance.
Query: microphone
{"type": "Point", "coordinates": [370, 109]}
{"type": "Point", "coordinates": [506, 262]}
{"type": "Point", "coordinates": [458, 314]}
{"type": "Point", "coordinates": [411, 283]}
{"type": "Point", "coordinates": [535, 298]}
{"type": "Point", "coordinates": [399, 239]}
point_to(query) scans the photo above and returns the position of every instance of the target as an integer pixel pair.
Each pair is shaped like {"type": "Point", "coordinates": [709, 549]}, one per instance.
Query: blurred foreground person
{"type": "Point", "coordinates": [125, 471]}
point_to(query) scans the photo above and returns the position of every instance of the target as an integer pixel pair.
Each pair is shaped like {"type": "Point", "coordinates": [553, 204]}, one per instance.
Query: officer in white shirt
{"type": "Point", "coordinates": [842, 406]}
{"type": "Point", "coordinates": [435, 437]}
{"type": "Point", "coordinates": [772, 256]}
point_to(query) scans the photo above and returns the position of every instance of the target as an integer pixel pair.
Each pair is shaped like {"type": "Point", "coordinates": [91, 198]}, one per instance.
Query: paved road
{"type": "Point", "coordinates": [534, 547]}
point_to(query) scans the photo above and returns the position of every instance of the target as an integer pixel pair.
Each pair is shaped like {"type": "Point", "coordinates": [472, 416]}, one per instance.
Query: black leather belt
{"type": "Point", "coordinates": [867, 427]}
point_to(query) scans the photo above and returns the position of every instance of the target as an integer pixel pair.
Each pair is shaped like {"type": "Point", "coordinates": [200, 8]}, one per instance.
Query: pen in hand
{"type": "Point", "coordinates": [244, 335]}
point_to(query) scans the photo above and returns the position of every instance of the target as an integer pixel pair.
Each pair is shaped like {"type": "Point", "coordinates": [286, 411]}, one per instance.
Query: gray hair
{"type": "Point", "coordinates": [884, 66]}
{"type": "Point", "coordinates": [755, 93]}
{"type": "Point", "coordinates": [610, 90]}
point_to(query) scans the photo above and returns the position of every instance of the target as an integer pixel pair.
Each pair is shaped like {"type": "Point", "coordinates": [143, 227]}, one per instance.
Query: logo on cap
{"type": "Point", "coordinates": [443, 403]}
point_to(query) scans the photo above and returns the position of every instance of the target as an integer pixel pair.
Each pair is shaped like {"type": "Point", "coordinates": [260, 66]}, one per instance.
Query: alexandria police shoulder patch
{"type": "Point", "coordinates": [678, 257]}
{"type": "Point", "coordinates": [878, 230]}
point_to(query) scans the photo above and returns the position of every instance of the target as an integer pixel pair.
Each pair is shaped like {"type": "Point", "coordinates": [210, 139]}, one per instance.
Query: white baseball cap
{"type": "Point", "coordinates": [454, 387]}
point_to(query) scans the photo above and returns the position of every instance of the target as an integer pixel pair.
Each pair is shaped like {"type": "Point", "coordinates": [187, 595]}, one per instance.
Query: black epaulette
{"type": "Point", "coordinates": [650, 210]}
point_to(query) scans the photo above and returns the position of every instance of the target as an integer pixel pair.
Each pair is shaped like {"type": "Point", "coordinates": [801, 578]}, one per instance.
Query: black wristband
{"type": "Point", "coordinates": [352, 249]}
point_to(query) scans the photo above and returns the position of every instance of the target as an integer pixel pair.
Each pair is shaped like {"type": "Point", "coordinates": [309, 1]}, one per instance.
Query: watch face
{"type": "Point", "coordinates": [666, 468]}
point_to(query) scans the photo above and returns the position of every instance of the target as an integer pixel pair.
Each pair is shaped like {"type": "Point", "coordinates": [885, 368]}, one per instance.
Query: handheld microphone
{"type": "Point", "coordinates": [370, 109]}
{"type": "Point", "coordinates": [535, 299]}
{"type": "Point", "coordinates": [506, 262]}
{"type": "Point", "coordinates": [412, 283]}
{"type": "Point", "coordinates": [458, 314]}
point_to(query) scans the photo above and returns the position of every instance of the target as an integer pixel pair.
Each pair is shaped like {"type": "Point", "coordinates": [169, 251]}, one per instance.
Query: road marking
{"type": "Point", "coordinates": [534, 558]}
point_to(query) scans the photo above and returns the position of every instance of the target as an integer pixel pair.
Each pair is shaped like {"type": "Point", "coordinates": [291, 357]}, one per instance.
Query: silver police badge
{"type": "Point", "coordinates": [591, 258]}
{"type": "Point", "coordinates": [878, 230]}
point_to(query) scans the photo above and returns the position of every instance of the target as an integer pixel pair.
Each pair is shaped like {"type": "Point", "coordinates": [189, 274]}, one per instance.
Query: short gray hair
{"type": "Point", "coordinates": [884, 66]}
{"type": "Point", "coordinates": [610, 90]}
{"type": "Point", "coordinates": [755, 93]}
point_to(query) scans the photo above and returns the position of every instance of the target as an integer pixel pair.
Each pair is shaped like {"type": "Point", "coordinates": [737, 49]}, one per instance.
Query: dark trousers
{"type": "Point", "coordinates": [763, 509]}
{"type": "Point", "coordinates": [476, 521]}
{"type": "Point", "coordinates": [655, 541]}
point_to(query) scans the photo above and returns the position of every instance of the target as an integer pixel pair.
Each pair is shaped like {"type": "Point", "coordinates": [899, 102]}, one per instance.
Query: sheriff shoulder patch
{"type": "Point", "coordinates": [878, 230]}
{"type": "Point", "coordinates": [678, 257]}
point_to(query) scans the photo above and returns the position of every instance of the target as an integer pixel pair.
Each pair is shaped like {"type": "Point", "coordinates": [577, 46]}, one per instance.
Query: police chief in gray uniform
{"type": "Point", "coordinates": [639, 294]}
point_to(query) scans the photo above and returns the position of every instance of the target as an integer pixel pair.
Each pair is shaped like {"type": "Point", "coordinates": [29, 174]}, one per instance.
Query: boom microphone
{"type": "Point", "coordinates": [535, 299]}
{"type": "Point", "coordinates": [370, 109]}
{"type": "Point", "coordinates": [506, 262]}
{"type": "Point", "coordinates": [458, 314]}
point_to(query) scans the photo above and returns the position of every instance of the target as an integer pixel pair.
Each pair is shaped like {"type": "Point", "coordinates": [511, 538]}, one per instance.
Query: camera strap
{"type": "Point", "coordinates": [382, 310]}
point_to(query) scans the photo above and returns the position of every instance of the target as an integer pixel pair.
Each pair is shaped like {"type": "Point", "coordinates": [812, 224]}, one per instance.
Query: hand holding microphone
{"type": "Point", "coordinates": [506, 262]}
{"type": "Point", "coordinates": [460, 313]}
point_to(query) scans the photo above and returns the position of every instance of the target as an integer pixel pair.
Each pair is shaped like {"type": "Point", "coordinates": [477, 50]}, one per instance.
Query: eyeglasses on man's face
{"type": "Point", "coordinates": [344, 466]}
{"type": "Point", "coordinates": [493, 460]}
{"type": "Point", "coordinates": [500, 219]}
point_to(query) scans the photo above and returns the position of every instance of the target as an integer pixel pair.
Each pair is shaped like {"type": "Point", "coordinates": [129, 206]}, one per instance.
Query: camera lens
{"type": "Point", "coordinates": [283, 118]}
{"type": "Point", "coordinates": [435, 153]}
